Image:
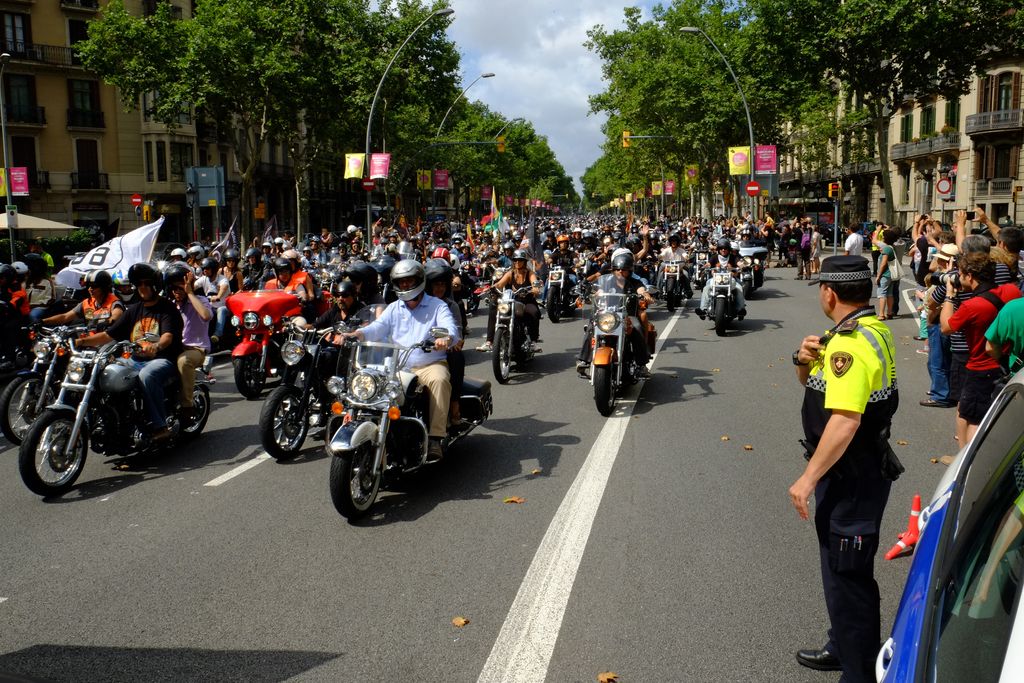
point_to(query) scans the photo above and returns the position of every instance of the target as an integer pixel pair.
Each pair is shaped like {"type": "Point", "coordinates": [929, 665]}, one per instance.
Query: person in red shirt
{"type": "Point", "coordinates": [977, 274]}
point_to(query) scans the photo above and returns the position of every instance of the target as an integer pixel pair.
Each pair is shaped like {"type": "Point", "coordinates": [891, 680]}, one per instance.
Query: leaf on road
{"type": "Point", "coordinates": [770, 365]}
{"type": "Point", "coordinates": [748, 447]}
{"type": "Point", "coordinates": [459, 622]}
{"type": "Point", "coordinates": [933, 461]}
{"type": "Point", "coordinates": [607, 677]}
{"type": "Point", "coordinates": [902, 442]}
{"type": "Point", "coordinates": [725, 437]}
{"type": "Point", "coordinates": [122, 467]}
{"type": "Point", "coordinates": [515, 499]}
{"type": "Point", "coordinates": [534, 471]}
{"type": "Point", "coordinates": [716, 369]}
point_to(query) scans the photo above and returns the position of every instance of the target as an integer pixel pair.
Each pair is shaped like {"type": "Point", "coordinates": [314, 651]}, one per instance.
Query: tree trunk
{"type": "Point", "coordinates": [301, 199]}
{"type": "Point", "coordinates": [881, 125]}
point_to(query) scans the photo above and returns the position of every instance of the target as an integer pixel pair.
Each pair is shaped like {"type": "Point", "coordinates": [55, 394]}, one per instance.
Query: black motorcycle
{"type": "Point", "coordinates": [301, 406]}
{"type": "Point", "coordinates": [561, 296]}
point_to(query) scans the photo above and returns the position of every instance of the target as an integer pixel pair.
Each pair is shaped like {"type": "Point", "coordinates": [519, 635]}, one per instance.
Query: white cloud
{"type": "Point", "coordinates": [543, 71]}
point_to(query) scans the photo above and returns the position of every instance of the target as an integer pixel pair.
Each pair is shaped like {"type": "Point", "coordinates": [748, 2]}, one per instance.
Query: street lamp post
{"type": "Point", "coordinates": [461, 95]}
{"type": "Point", "coordinates": [746, 109]}
{"type": "Point", "coordinates": [376, 96]}
{"type": "Point", "coordinates": [4, 58]}
{"type": "Point", "coordinates": [520, 119]}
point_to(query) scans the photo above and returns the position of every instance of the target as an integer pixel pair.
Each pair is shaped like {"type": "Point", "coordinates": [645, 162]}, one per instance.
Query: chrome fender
{"type": "Point", "coordinates": [351, 436]}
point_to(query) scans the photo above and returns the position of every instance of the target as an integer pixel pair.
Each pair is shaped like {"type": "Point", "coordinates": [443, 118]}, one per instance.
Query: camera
{"type": "Point", "coordinates": [972, 215]}
{"type": "Point", "coordinates": [941, 279]}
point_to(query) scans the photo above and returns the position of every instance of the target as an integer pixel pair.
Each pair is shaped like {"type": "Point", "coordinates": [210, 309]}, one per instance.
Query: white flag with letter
{"type": "Point", "coordinates": [115, 256]}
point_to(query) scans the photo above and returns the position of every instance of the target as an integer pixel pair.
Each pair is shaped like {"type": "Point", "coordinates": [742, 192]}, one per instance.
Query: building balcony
{"type": "Point", "coordinates": [898, 151]}
{"type": "Point", "coordinates": [54, 55]}
{"type": "Point", "coordinates": [995, 121]}
{"type": "Point", "coordinates": [90, 180]}
{"type": "Point", "coordinates": [85, 118]}
{"type": "Point", "coordinates": [265, 170]}
{"type": "Point", "coordinates": [86, 5]}
{"type": "Point", "coordinates": [18, 115]}
{"type": "Point", "coordinates": [948, 142]}
{"type": "Point", "coordinates": [788, 177]}
{"type": "Point", "coordinates": [993, 187]}
{"type": "Point", "coordinates": [40, 180]}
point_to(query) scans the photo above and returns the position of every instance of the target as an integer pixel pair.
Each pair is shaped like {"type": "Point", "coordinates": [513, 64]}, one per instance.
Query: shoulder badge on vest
{"type": "Point", "coordinates": [847, 326]}
{"type": "Point", "coordinates": [840, 362]}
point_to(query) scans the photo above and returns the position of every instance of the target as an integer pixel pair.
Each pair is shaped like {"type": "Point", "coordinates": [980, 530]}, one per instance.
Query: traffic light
{"type": "Point", "coordinates": [147, 212]}
{"type": "Point", "coordinates": [501, 144]}
{"type": "Point", "coordinates": [625, 138]}
{"type": "Point", "coordinates": [834, 190]}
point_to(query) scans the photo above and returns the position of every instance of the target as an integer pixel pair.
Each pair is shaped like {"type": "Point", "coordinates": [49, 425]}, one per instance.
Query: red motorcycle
{"type": "Point", "coordinates": [259, 317]}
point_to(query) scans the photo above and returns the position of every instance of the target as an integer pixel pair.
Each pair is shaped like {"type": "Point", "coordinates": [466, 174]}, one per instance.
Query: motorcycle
{"type": "Point", "coordinates": [560, 300]}
{"type": "Point", "coordinates": [300, 406]}
{"type": "Point", "coordinates": [100, 406]}
{"type": "Point", "coordinates": [260, 319]}
{"type": "Point", "coordinates": [752, 274]}
{"type": "Point", "coordinates": [511, 341]}
{"type": "Point", "coordinates": [699, 268]}
{"type": "Point", "coordinates": [384, 422]}
{"type": "Point", "coordinates": [675, 284]}
{"type": "Point", "coordinates": [613, 364]}
{"type": "Point", "coordinates": [24, 398]}
{"type": "Point", "coordinates": [723, 301]}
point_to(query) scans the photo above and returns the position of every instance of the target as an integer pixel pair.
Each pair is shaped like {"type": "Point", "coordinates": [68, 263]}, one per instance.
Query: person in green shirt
{"type": "Point", "coordinates": [1007, 330]}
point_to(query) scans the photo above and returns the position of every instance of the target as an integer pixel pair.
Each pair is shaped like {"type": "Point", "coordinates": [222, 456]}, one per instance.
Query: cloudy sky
{"type": "Point", "coordinates": [542, 71]}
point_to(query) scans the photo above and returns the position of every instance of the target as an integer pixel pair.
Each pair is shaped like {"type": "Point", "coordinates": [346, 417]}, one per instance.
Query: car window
{"type": "Point", "coordinates": [980, 585]}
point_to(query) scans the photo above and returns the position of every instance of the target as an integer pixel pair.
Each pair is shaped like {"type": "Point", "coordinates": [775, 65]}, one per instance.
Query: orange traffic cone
{"type": "Point", "coordinates": [908, 538]}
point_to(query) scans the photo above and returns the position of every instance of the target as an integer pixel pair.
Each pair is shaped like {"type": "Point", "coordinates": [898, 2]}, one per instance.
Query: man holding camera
{"type": "Point", "coordinates": [977, 274]}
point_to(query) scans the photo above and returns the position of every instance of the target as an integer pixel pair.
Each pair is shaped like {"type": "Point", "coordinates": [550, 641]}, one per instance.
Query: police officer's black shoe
{"type": "Point", "coordinates": [819, 660]}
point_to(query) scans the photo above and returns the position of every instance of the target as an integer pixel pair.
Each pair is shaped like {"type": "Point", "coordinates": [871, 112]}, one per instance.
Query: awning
{"type": "Point", "coordinates": [32, 223]}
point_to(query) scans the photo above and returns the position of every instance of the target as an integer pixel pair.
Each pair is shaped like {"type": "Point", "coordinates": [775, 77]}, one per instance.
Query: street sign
{"type": "Point", "coordinates": [753, 188]}
{"type": "Point", "coordinates": [136, 199]}
{"type": "Point", "coordinates": [944, 187]}
{"type": "Point", "coordinates": [368, 184]}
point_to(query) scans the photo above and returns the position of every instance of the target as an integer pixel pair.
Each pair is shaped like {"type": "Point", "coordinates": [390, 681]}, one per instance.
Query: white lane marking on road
{"type": "Point", "coordinates": [526, 642]}
{"type": "Point", "coordinates": [244, 467]}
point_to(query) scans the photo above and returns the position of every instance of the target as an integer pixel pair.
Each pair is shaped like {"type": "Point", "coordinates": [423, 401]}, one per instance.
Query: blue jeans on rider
{"type": "Point", "coordinates": [223, 315]}
{"type": "Point", "coordinates": [154, 375]}
{"type": "Point", "coordinates": [37, 314]}
{"type": "Point", "coordinates": [939, 359]}
{"type": "Point", "coordinates": [737, 293]}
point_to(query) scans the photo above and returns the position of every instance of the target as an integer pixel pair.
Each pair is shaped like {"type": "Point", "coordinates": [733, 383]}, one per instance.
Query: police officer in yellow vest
{"type": "Point", "coordinates": [850, 397]}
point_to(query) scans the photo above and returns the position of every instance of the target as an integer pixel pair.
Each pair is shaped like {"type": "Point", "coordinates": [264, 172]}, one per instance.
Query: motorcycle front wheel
{"type": "Point", "coordinates": [18, 406]}
{"type": "Point", "coordinates": [353, 486]}
{"type": "Point", "coordinates": [604, 394]}
{"type": "Point", "coordinates": [670, 295]}
{"type": "Point", "coordinates": [44, 466]}
{"type": "Point", "coordinates": [200, 413]}
{"type": "Point", "coordinates": [283, 423]}
{"type": "Point", "coordinates": [248, 378]}
{"type": "Point", "coordinates": [501, 356]}
{"type": "Point", "coordinates": [554, 304]}
{"type": "Point", "coordinates": [720, 316]}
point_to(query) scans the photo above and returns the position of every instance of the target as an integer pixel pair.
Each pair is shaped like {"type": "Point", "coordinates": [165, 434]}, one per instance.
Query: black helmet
{"type": "Point", "coordinates": [252, 251]}
{"type": "Point", "coordinates": [144, 271]}
{"type": "Point", "coordinates": [674, 237]}
{"type": "Point", "coordinates": [438, 269]}
{"type": "Point", "coordinates": [99, 278]}
{"type": "Point", "coordinates": [362, 272]}
{"type": "Point", "coordinates": [281, 263]}
{"type": "Point", "coordinates": [723, 243]}
{"type": "Point", "coordinates": [175, 273]}
{"type": "Point", "coordinates": [520, 255]}
{"type": "Point", "coordinates": [232, 254]}
{"type": "Point", "coordinates": [343, 288]}
{"type": "Point", "coordinates": [209, 263]}
{"type": "Point", "coordinates": [623, 262]}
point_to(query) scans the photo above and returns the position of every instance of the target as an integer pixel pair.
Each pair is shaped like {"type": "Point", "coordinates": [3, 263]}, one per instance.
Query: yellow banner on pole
{"type": "Point", "coordinates": [656, 188]}
{"type": "Point", "coordinates": [739, 161]}
{"type": "Point", "coordinates": [423, 179]}
{"type": "Point", "coordinates": [354, 165]}
{"type": "Point", "coordinates": [629, 197]}
{"type": "Point", "coordinates": [692, 174]}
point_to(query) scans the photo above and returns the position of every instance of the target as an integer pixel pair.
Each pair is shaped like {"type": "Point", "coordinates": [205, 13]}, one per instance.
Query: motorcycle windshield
{"type": "Point", "coordinates": [609, 301]}
{"type": "Point", "coordinates": [381, 356]}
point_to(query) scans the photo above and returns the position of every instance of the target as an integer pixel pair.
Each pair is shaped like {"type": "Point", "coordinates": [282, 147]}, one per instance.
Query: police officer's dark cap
{"type": "Point", "coordinates": [844, 269]}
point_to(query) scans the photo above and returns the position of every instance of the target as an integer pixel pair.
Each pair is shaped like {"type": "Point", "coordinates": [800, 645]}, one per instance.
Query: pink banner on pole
{"type": "Point", "coordinates": [510, 200]}
{"type": "Point", "coordinates": [765, 160]}
{"type": "Point", "coordinates": [536, 203]}
{"type": "Point", "coordinates": [440, 179]}
{"type": "Point", "coordinates": [379, 165]}
{"type": "Point", "coordinates": [485, 193]}
{"type": "Point", "coordinates": [19, 181]}
{"type": "Point", "coordinates": [670, 187]}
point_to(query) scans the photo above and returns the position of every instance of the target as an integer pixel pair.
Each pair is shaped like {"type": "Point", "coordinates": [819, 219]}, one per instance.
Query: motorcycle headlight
{"type": "Point", "coordinates": [606, 322]}
{"type": "Point", "coordinates": [671, 270]}
{"type": "Point", "coordinates": [235, 321]}
{"type": "Point", "coordinates": [41, 349]}
{"type": "Point", "coordinates": [504, 307]}
{"type": "Point", "coordinates": [757, 262]}
{"type": "Point", "coordinates": [292, 352]}
{"type": "Point", "coordinates": [76, 371]}
{"type": "Point", "coordinates": [336, 386]}
{"type": "Point", "coordinates": [268, 321]}
{"type": "Point", "coordinates": [250, 320]}
{"type": "Point", "coordinates": [722, 278]}
{"type": "Point", "coordinates": [555, 277]}
{"type": "Point", "coordinates": [363, 386]}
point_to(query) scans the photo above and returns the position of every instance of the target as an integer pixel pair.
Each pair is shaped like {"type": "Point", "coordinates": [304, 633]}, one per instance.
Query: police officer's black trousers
{"type": "Point", "coordinates": [847, 546]}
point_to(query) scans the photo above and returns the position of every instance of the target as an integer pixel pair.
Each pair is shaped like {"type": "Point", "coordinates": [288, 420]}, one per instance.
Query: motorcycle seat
{"type": "Point", "coordinates": [475, 387]}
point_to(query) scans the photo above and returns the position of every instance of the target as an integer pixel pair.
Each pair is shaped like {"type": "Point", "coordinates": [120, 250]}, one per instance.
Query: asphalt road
{"type": "Point", "coordinates": [647, 544]}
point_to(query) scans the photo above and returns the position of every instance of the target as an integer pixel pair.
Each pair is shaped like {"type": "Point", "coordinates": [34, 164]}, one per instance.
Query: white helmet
{"type": "Point", "coordinates": [404, 269]}
{"type": "Point", "coordinates": [179, 252]}
{"type": "Point", "coordinates": [351, 229]}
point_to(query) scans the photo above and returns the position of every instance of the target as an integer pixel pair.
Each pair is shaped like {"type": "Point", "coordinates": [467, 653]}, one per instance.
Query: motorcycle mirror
{"type": "Point", "coordinates": [299, 322]}
{"type": "Point", "coordinates": [439, 333]}
{"type": "Point", "coordinates": [151, 337]}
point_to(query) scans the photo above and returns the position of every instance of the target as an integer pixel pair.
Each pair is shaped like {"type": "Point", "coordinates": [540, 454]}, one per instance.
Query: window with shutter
{"type": "Point", "coordinates": [1014, 162]}
{"type": "Point", "coordinates": [1015, 101]}
{"type": "Point", "coordinates": [983, 94]}
{"type": "Point", "coordinates": [990, 162]}
{"type": "Point", "coordinates": [979, 163]}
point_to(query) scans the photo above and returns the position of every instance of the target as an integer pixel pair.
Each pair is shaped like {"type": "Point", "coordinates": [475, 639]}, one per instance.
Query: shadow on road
{"type": "Point", "coordinates": [155, 665]}
{"type": "Point", "coordinates": [475, 469]}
